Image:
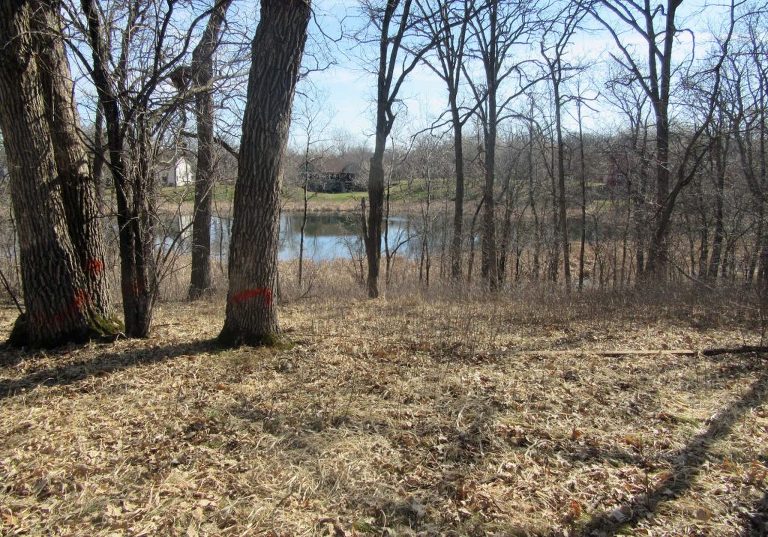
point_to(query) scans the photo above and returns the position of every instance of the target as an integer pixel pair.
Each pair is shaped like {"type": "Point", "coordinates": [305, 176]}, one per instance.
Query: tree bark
{"type": "Point", "coordinates": [372, 237]}
{"type": "Point", "coordinates": [562, 201]}
{"type": "Point", "coordinates": [554, 262]}
{"type": "Point", "coordinates": [52, 194]}
{"type": "Point", "coordinates": [396, 62]}
{"type": "Point", "coordinates": [656, 85]}
{"type": "Point", "coordinates": [583, 184]}
{"type": "Point", "coordinates": [458, 204]}
{"type": "Point", "coordinates": [489, 267]}
{"type": "Point", "coordinates": [660, 83]}
{"type": "Point", "coordinates": [717, 241]}
{"type": "Point", "coordinates": [277, 48]}
{"type": "Point", "coordinates": [202, 81]}
{"type": "Point", "coordinates": [78, 187]}
{"type": "Point", "coordinates": [305, 207]}
{"type": "Point", "coordinates": [384, 122]}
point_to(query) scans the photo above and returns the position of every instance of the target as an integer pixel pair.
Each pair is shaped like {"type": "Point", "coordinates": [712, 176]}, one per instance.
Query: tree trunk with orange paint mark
{"type": "Point", "coordinates": [251, 317]}
{"type": "Point", "coordinates": [53, 195]}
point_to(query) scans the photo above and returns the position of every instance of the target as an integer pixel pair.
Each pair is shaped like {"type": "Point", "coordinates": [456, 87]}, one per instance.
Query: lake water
{"type": "Point", "coordinates": [327, 236]}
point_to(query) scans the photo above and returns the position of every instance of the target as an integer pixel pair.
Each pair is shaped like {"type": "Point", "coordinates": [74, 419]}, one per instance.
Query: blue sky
{"type": "Point", "coordinates": [346, 90]}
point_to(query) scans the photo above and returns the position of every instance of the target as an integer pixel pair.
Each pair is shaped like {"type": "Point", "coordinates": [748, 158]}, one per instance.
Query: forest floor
{"type": "Point", "coordinates": [401, 416]}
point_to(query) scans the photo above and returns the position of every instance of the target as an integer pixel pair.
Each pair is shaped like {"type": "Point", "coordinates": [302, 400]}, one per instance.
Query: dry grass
{"type": "Point", "coordinates": [397, 417]}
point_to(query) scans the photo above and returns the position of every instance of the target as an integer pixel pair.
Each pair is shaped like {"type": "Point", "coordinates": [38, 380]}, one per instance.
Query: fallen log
{"type": "Point", "coordinates": [744, 349]}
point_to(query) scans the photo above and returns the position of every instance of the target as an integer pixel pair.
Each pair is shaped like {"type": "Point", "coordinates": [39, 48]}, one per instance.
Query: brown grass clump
{"type": "Point", "coordinates": [404, 416]}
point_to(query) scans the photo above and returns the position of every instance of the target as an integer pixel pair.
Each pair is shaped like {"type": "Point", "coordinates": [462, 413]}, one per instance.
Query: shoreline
{"type": "Point", "coordinates": [224, 208]}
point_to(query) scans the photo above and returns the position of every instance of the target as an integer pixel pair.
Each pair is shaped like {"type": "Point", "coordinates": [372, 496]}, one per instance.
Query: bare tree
{"type": "Point", "coordinates": [580, 103]}
{"type": "Point", "coordinates": [277, 50]}
{"type": "Point", "coordinates": [719, 146]}
{"type": "Point", "coordinates": [446, 23]}
{"type": "Point", "coordinates": [129, 65]}
{"type": "Point", "coordinates": [397, 58]}
{"type": "Point", "coordinates": [657, 26]}
{"type": "Point", "coordinates": [562, 26]}
{"type": "Point", "coordinates": [632, 156]}
{"type": "Point", "coordinates": [745, 101]}
{"type": "Point", "coordinates": [202, 78]}
{"type": "Point", "coordinates": [497, 29]}
{"type": "Point", "coordinates": [53, 194]}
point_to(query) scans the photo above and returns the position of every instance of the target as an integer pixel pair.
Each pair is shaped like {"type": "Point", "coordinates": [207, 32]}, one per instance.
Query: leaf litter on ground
{"type": "Point", "coordinates": [398, 417]}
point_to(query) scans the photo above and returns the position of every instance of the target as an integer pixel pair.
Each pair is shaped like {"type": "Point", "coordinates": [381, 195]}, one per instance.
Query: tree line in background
{"type": "Point", "coordinates": [677, 188]}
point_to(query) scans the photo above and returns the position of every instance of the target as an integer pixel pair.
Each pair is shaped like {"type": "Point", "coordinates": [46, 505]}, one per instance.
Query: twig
{"type": "Point", "coordinates": [10, 292]}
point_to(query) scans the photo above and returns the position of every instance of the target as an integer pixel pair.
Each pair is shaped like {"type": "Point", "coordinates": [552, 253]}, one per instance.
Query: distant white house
{"type": "Point", "coordinates": [177, 172]}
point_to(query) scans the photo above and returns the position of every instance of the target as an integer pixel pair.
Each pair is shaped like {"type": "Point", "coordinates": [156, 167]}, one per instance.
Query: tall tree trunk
{"type": "Point", "coordinates": [424, 258]}
{"type": "Point", "coordinates": [506, 231]}
{"type": "Point", "coordinates": [640, 212]}
{"type": "Point", "coordinates": [658, 251]}
{"type": "Point", "coordinates": [277, 49]}
{"type": "Point", "coordinates": [554, 262]}
{"type": "Point", "coordinates": [78, 187]}
{"type": "Point", "coordinates": [532, 201]}
{"type": "Point", "coordinates": [717, 241]}
{"type": "Point", "coordinates": [703, 251]}
{"type": "Point", "coordinates": [98, 156]}
{"type": "Point", "coordinates": [133, 188]}
{"type": "Point", "coordinates": [754, 256]}
{"type": "Point", "coordinates": [489, 267]}
{"type": "Point", "coordinates": [396, 61]}
{"type": "Point", "coordinates": [53, 199]}
{"type": "Point", "coordinates": [305, 207]}
{"type": "Point", "coordinates": [472, 227]}
{"type": "Point", "coordinates": [202, 81]}
{"type": "Point", "coordinates": [373, 230]}
{"type": "Point", "coordinates": [583, 183]}
{"type": "Point", "coordinates": [762, 274]}
{"type": "Point", "coordinates": [375, 215]}
{"type": "Point", "coordinates": [561, 202]}
{"type": "Point", "coordinates": [458, 205]}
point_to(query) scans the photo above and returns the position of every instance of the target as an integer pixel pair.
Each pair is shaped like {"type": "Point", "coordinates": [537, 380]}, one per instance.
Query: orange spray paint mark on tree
{"type": "Point", "coordinates": [248, 294]}
{"type": "Point", "coordinates": [94, 266]}
{"type": "Point", "coordinates": [80, 300]}
{"type": "Point", "coordinates": [62, 317]}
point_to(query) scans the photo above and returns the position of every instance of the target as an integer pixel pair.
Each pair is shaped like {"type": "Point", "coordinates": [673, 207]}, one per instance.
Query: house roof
{"type": "Point", "coordinates": [340, 164]}
{"type": "Point", "coordinates": [169, 160]}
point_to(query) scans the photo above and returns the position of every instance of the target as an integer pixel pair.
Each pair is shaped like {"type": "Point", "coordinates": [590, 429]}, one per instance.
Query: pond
{"type": "Point", "coordinates": [334, 235]}
{"type": "Point", "coordinates": [327, 236]}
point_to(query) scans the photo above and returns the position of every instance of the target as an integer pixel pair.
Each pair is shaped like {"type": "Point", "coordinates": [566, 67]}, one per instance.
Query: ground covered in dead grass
{"type": "Point", "coordinates": [397, 417]}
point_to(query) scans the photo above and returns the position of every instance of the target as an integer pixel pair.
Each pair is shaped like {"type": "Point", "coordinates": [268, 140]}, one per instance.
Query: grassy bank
{"type": "Point", "coordinates": [406, 415]}
{"type": "Point", "coordinates": [407, 195]}
{"type": "Point", "coordinates": [171, 199]}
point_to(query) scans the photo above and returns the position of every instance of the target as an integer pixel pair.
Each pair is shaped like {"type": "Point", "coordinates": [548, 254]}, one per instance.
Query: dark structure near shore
{"type": "Point", "coordinates": [344, 180]}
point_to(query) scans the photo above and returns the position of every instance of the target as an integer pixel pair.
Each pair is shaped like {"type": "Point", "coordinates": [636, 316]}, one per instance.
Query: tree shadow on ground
{"type": "Point", "coordinates": [686, 464]}
{"type": "Point", "coordinates": [465, 437]}
{"type": "Point", "coordinates": [756, 524]}
{"type": "Point", "coordinates": [464, 447]}
{"type": "Point", "coordinates": [757, 521]}
{"type": "Point", "coordinates": [104, 364]}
